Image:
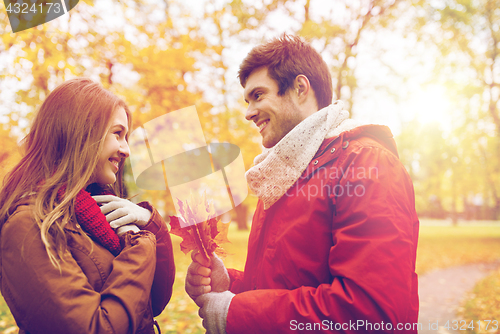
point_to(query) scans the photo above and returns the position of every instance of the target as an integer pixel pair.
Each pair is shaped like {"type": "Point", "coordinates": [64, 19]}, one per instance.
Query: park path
{"type": "Point", "coordinates": [442, 291]}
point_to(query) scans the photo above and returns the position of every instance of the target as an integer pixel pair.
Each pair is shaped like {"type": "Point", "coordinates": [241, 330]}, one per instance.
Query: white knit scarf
{"type": "Point", "coordinates": [279, 167]}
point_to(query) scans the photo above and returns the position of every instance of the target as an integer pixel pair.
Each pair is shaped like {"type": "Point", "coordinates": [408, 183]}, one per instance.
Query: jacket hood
{"type": "Point", "coordinates": [380, 133]}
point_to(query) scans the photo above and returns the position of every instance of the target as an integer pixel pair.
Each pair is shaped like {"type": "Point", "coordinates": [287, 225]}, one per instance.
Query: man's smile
{"type": "Point", "coordinates": [262, 125]}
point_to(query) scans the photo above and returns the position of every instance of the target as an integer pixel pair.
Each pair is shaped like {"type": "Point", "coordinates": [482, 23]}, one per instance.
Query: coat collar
{"type": "Point", "coordinates": [279, 167]}
{"type": "Point", "coordinates": [331, 148]}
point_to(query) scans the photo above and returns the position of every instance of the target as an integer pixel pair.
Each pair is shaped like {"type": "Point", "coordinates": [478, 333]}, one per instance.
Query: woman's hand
{"type": "Point", "coordinates": [120, 212]}
{"type": "Point", "coordinates": [125, 228]}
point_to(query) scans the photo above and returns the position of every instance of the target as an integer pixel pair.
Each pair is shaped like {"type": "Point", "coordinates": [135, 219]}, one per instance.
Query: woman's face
{"type": "Point", "coordinates": [115, 149]}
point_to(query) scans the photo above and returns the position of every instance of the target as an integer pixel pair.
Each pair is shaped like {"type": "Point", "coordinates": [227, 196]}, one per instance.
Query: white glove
{"type": "Point", "coordinates": [213, 310]}
{"type": "Point", "coordinates": [120, 211]}
{"type": "Point", "coordinates": [219, 277]}
{"type": "Point", "coordinates": [203, 277]}
{"type": "Point", "coordinates": [125, 228]}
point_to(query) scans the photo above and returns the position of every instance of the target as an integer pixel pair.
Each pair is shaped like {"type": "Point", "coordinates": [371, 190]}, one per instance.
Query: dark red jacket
{"type": "Point", "coordinates": [337, 252]}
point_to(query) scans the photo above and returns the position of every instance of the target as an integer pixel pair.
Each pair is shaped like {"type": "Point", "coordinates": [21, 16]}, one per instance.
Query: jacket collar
{"type": "Point", "coordinates": [331, 148]}
{"type": "Point", "coordinates": [279, 167]}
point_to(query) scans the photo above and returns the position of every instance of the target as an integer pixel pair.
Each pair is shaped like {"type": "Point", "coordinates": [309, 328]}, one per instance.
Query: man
{"type": "Point", "coordinates": [333, 241]}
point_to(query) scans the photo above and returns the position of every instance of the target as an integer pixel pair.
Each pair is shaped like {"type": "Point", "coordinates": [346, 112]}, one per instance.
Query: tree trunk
{"type": "Point", "coordinates": [454, 214]}
{"type": "Point", "coordinates": [241, 216]}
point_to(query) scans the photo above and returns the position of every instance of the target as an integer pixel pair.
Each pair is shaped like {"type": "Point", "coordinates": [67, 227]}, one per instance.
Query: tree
{"type": "Point", "coordinates": [467, 34]}
{"type": "Point", "coordinates": [336, 30]}
{"type": "Point", "coordinates": [154, 63]}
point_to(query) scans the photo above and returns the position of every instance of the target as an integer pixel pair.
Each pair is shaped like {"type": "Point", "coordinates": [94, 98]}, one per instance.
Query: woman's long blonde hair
{"type": "Point", "coordinates": [62, 148]}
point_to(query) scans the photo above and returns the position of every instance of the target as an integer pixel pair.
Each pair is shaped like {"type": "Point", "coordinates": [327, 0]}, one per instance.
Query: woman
{"type": "Point", "coordinates": [63, 267]}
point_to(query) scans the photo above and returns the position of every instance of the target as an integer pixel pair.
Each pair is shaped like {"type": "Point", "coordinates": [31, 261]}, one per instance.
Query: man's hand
{"type": "Point", "coordinates": [219, 277]}
{"type": "Point", "coordinates": [213, 310]}
{"type": "Point", "coordinates": [198, 276]}
{"type": "Point", "coordinates": [205, 276]}
{"type": "Point", "coordinates": [121, 212]}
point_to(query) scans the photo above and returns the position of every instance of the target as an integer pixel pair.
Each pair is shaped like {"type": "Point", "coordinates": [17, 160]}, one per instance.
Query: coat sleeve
{"type": "Point", "coordinates": [236, 280]}
{"type": "Point", "coordinates": [163, 282]}
{"type": "Point", "coordinates": [371, 261]}
{"type": "Point", "coordinates": [44, 299]}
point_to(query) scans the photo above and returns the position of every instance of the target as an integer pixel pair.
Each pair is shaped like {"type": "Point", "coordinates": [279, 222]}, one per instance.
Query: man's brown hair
{"type": "Point", "coordinates": [287, 57]}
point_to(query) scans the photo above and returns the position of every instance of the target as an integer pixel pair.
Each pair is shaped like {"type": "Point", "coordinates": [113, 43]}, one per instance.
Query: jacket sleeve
{"type": "Point", "coordinates": [235, 280]}
{"type": "Point", "coordinates": [371, 260]}
{"type": "Point", "coordinates": [45, 299]}
{"type": "Point", "coordinates": [163, 282]}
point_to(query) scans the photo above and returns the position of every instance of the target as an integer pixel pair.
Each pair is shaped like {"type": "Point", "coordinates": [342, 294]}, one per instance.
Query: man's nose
{"type": "Point", "coordinates": [251, 112]}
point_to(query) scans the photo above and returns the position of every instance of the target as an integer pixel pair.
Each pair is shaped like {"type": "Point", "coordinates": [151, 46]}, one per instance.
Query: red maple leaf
{"type": "Point", "coordinates": [205, 236]}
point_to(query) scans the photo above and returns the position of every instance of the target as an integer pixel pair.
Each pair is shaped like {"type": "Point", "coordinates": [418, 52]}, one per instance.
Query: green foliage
{"type": "Point", "coordinates": [447, 168]}
{"type": "Point", "coordinates": [467, 35]}
{"type": "Point", "coordinates": [7, 322]}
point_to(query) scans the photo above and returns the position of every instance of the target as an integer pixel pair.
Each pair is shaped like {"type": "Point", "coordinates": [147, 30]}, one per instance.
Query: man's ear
{"type": "Point", "coordinates": [302, 87]}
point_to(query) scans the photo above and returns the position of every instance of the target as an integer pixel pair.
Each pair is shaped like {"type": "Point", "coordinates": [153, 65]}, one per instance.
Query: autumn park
{"type": "Point", "coordinates": [429, 70]}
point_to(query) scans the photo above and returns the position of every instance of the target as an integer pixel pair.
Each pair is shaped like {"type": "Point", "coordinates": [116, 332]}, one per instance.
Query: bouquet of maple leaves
{"type": "Point", "coordinates": [204, 231]}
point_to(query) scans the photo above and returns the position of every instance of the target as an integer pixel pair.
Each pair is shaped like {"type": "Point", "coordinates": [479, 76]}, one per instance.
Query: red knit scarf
{"type": "Point", "coordinates": [93, 221]}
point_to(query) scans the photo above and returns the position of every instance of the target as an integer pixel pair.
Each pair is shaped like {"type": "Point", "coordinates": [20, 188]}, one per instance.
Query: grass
{"type": "Point", "coordinates": [442, 246]}
{"type": "Point", "coordinates": [439, 246]}
{"type": "Point", "coordinates": [181, 313]}
{"type": "Point", "coordinates": [7, 323]}
{"type": "Point", "coordinates": [484, 304]}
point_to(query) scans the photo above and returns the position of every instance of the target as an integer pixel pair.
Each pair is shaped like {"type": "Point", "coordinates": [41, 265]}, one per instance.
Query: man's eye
{"type": "Point", "coordinates": [258, 95]}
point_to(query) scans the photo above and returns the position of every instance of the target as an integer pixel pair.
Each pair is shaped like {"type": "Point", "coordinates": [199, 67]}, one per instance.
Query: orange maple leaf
{"type": "Point", "coordinates": [205, 235]}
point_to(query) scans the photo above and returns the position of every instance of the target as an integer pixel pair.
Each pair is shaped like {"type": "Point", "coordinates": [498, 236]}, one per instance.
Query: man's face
{"type": "Point", "coordinates": [274, 115]}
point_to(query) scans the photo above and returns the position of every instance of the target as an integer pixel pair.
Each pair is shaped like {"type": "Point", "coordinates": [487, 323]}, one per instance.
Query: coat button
{"type": "Point", "coordinates": [316, 162]}
{"type": "Point", "coordinates": [346, 143]}
{"type": "Point", "coordinates": [332, 150]}
{"type": "Point", "coordinates": [77, 225]}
